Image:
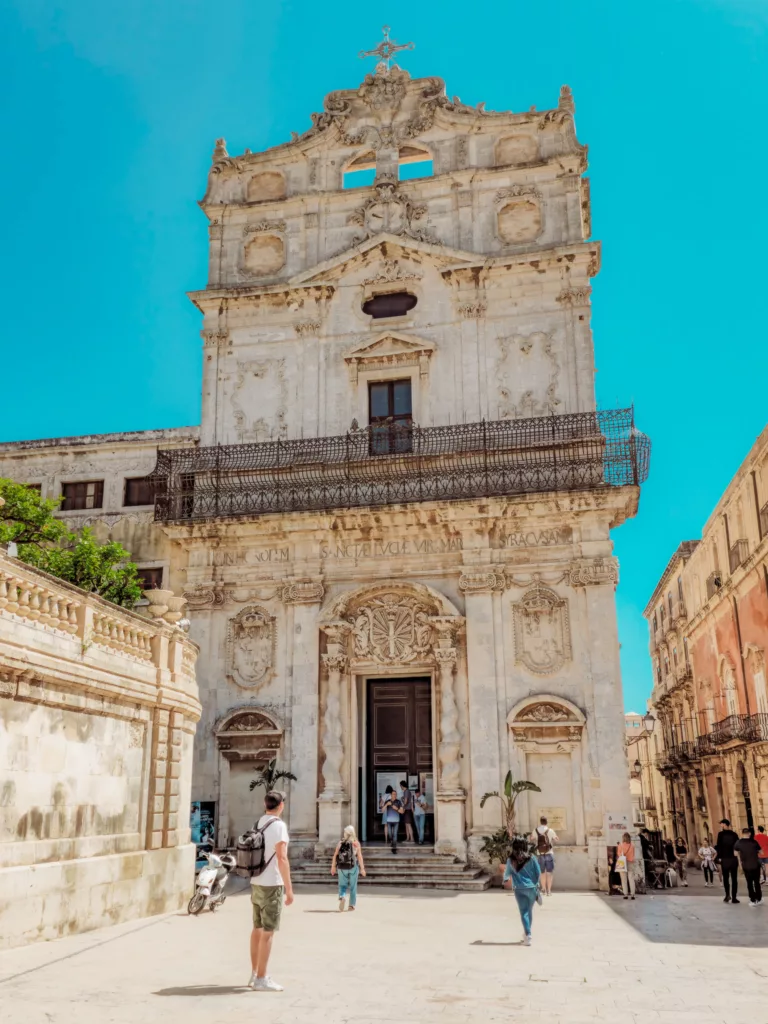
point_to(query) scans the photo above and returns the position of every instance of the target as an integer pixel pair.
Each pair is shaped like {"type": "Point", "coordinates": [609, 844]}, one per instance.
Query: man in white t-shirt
{"type": "Point", "coordinates": [545, 838]}
{"type": "Point", "coordinates": [268, 889]}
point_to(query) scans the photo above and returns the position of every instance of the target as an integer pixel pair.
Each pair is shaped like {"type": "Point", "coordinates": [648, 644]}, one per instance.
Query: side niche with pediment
{"type": "Point", "coordinates": [249, 734]}
{"type": "Point", "coordinates": [251, 642]}
{"type": "Point", "coordinates": [544, 719]}
{"type": "Point", "coordinates": [542, 630]}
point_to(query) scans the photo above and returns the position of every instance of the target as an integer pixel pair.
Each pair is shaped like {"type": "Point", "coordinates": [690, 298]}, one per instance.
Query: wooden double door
{"type": "Point", "coordinates": [399, 742]}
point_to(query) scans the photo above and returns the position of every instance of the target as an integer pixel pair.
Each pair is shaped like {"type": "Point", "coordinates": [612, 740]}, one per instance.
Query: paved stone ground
{"type": "Point", "coordinates": [411, 957]}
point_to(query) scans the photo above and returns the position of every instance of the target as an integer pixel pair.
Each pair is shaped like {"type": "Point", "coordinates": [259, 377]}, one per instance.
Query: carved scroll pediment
{"type": "Point", "coordinates": [542, 631]}
{"type": "Point", "coordinates": [251, 640]}
{"type": "Point", "coordinates": [544, 713]}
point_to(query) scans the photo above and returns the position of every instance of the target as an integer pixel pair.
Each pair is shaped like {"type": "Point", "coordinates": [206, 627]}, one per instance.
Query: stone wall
{"type": "Point", "coordinates": [98, 708]}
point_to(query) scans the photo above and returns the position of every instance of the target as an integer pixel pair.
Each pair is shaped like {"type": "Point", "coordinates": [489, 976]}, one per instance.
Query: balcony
{"type": "Point", "coordinates": [647, 803]}
{"type": "Point", "coordinates": [743, 728]}
{"type": "Point", "coordinates": [574, 452]}
{"type": "Point", "coordinates": [738, 553]}
{"type": "Point", "coordinates": [714, 583]}
{"type": "Point", "coordinates": [764, 520]}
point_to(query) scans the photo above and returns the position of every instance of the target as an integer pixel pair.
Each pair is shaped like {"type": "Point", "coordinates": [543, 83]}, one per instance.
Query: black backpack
{"type": "Point", "coordinates": [543, 844]}
{"type": "Point", "coordinates": [251, 849]}
{"type": "Point", "coordinates": [346, 857]}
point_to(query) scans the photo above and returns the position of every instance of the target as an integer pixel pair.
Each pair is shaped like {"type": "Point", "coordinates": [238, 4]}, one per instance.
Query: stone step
{"type": "Point", "coordinates": [321, 871]}
{"type": "Point", "coordinates": [457, 882]}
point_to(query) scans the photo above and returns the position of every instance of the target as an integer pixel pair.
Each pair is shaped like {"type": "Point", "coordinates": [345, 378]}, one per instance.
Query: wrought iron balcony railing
{"type": "Point", "coordinates": [572, 452]}
{"type": "Point", "coordinates": [738, 553]}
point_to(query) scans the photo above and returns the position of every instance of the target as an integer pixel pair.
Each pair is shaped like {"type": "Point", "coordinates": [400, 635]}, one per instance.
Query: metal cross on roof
{"type": "Point", "coordinates": [385, 50]}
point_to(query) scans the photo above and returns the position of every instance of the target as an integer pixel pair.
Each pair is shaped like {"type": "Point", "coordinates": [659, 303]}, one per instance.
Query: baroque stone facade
{"type": "Point", "coordinates": [469, 287]}
{"type": "Point", "coordinates": [708, 625]}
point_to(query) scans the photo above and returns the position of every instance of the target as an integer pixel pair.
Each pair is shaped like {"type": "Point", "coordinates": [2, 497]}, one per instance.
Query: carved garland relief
{"type": "Point", "coordinates": [542, 631]}
{"type": "Point", "coordinates": [251, 640]}
{"type": "Point", "coordinates": [525, 358]}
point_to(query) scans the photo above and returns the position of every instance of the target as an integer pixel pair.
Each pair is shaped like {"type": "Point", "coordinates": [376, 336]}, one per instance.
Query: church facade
{"type": "Point", "coordinates": [393, 527]}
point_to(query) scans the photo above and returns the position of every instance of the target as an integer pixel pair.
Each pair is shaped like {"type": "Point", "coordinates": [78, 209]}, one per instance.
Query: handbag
{"type": "Point", "coordinates": [621, 863]}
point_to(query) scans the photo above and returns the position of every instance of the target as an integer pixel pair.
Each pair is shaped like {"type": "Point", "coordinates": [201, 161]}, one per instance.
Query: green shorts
{"type": "Point", "coordinates": [267, 903]}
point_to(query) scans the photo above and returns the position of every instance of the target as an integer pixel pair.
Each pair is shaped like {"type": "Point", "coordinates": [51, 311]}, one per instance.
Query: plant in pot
{"type": "Point", "coordinates": [496, 846]}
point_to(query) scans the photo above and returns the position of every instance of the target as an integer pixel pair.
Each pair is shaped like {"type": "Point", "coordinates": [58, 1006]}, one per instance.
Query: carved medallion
{"type": "Point", "coordinates": [392, 629]}
{"type": "Point", "coordinates": [251, 637]}
{"type": "Point", "coordinates": [542, 634]}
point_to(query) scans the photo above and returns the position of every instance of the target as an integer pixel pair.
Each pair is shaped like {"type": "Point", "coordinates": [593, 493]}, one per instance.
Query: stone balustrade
{"type": "Point", "coordinates": [98, 706]}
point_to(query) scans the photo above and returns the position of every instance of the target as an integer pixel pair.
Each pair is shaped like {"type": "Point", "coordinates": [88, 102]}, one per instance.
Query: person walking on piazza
{"type": "Point", "coordinates": [762, 840]}
{"type": "Point", "coordinates": [726, 858]}
{"type": "Point", "coordinates": [522, 874]}
{"type": "Point", "coordinates": [625, 859]}
{"type": "Point", "coordinates": [707, 855]}
{"type": "Point", "coordinates": [681, 852]}
{"type": "Point", "coordinates": [348, 861]}
{"type": "Point", "coordinates": [269, 889]}
{"type": "Point", "coordinates": [420, 814]}
{"type": "Point", "coordinates": [406, 799]}
{"type": "Point", "coordinates": [545, 838]}
{"type": "Point", "coordinates": [748, 850]}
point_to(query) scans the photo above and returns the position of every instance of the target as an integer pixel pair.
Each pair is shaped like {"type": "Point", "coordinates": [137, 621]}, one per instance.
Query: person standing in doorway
{"type": "Point", "coordinates": [522, 874]}
{"type": "Point", "coordinates": [726, 858]}
{"type": "Point", "coordinates": [545, 838]}
{"type": "Point", "coordinates": [348, 861]}
{"type": "Point", "coordinates": [625, 861]}
{"type": "Point", "coordinates": [394, 810]}
{"type": "Point", "coordinates": [748, 850]}
{"type": "Point", "coordinates": [420, 814]}
{"type": "Point", "coordinates": [762, 841]}
{"type": "Point", "coordinates": [406, 799]}
{"type": "Point", "coordinates": [708, 853]}
{"type": "Point", "coordinates": [269, 889]}
{"type": "Point", "coordinates": [681, 854]}
{"type": "Point", "coordinates": [383, 809]}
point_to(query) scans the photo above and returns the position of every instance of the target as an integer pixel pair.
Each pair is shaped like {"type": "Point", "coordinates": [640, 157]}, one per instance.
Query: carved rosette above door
{"type": "Point", "coordinates": [542, 630]}
{"type": "Point", "coordinates": [251, 640]}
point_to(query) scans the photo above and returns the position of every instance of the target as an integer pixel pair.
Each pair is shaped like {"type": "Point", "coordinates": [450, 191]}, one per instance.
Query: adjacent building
{"type": "Point", "coordinates": [708, 624]}
{"type": "Point", "coordinates": [394, 525]}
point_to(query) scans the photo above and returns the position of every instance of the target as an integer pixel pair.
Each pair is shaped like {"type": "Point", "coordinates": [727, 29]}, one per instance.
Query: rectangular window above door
{"type": "Point", "coordinates": [390, 416]}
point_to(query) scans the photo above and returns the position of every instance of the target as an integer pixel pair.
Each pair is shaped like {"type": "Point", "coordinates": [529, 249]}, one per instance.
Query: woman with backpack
{"type": "Point", "coordinates": [522, 874]}
{"type": "Point", "coordinates": [348, 861]}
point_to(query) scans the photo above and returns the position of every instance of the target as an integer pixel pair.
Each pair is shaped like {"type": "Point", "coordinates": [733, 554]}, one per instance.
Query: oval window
{"type": "Point", "coordinates": [389, 304]}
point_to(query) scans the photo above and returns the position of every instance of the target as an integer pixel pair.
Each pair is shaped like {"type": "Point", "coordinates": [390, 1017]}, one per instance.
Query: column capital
{"type": "Point", "coordinates": [306, 590]}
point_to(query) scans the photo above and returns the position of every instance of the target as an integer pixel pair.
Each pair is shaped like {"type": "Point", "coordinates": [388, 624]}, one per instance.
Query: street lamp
{"type": "Point", "coordinates": [649, 722]}
{"type": "Point", "coordinates": [638, 767]}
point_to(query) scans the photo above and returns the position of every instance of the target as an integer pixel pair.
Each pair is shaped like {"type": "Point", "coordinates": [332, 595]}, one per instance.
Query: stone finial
{"type": "Point", "coordinates": [220, 151]}
{"type": "Point", "coordinates": [566, 99]}
{"type": "Point", "coordinates": [163, 605]}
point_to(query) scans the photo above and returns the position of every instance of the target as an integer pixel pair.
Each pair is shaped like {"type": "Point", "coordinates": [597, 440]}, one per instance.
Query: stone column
{"type": "Point", "coordinates": [334, 800]}
{"type": "Point", "coordinates": [449, 796]}
{"type": "Point", "coordinates": [579, 819]}
{"type": "Point", "coordinates": [486, 771]}
{"type": "Point", "coordinates": [304, 597]}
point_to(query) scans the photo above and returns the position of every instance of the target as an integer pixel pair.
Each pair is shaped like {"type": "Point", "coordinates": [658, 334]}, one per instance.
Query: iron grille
{"type": "Point", "coordinates": [571, 452]}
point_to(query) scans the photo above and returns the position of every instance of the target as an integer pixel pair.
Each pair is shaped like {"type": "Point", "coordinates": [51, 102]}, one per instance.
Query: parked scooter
{"type": "Point", "coordinates": [210, 882]}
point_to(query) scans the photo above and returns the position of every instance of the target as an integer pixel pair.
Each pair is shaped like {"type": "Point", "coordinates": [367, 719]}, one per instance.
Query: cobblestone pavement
{"type": "Point", "coordinates": [411, 956]}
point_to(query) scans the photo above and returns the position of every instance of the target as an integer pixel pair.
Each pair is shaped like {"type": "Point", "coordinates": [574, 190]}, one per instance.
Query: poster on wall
{"type": "Point", "coordinates": [556, 818]}
{"type": "Point", "coordinates": [202, 822]}
{"type": "Point", "coordinates": [614, 827]}
{"type": "Point", "coordinates": [384, 779]}
{"type": "Point", "coordinates": [427, 786]}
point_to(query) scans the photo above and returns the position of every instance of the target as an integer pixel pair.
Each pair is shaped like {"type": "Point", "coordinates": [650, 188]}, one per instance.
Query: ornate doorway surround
{"type": "Point", "coordinates": [389, 629]}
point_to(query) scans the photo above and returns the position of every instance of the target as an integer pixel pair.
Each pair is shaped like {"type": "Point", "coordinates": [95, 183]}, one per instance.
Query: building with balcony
{"type": "Point", "coordinates": [394, 525]}
{"type": "Point", "coordinates": [708, 627]}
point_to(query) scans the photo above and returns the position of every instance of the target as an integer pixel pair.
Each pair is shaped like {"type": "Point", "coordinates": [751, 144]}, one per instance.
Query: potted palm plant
{"type": "Point", "coordinates": [496, 846]}
{"type": "Point", "coordinates": [268, 776]}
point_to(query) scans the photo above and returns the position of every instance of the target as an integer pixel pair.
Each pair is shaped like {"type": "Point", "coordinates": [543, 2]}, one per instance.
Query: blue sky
{"type": "Point", "coordinates": [109, 117]}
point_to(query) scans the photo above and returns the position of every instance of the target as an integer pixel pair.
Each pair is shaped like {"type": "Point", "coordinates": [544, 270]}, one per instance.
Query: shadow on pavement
{"type": "Point", "coordinates": [692, 920]}
{"type": "Point", "coordinates": [203, 990]}
{"type": "Point", "coordinates": [482, 942]}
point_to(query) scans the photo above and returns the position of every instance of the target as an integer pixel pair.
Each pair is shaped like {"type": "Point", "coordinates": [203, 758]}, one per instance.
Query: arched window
{"type": "Point", "coordinates": [361, 172]}
{"type": "Point", "coordinates": [414, 162]}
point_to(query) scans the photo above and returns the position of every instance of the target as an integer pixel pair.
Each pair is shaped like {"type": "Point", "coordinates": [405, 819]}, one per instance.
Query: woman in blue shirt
{"type": "Point", "coordinates": [522, 874]}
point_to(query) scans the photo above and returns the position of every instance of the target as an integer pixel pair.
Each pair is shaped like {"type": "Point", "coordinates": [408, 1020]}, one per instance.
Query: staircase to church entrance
{"type": "Point", "coordinates": [416, 867]}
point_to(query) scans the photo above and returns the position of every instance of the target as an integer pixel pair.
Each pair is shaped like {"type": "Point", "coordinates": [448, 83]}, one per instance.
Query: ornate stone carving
{"type": "Point", "coordinates": [391, 211]}
{"type": "Point", "coordinates": [384, 91]}
{"type": "Point", "coordinates": [574, 296]}
{"type": "Point", "coordinates": [273, 423]}
{"type": "Point", "coordinates": [472, 310]}
{"type": "Point", "coordinates": [205, 595]}
{"type": "Point", "coordinates": [250, 722]}
{"type": "Point", "coordinates": [514, 191]}
{"type": "Point", "coordinates": [543, 713]}
{"type": "Point", "coordinates": [263, 225]}
{"type": "Point", "coordinates": [481, 582]}
{"type": "Point", "coordinates": [251, 641]}
{"type": "Point", "coordinates": [392, 629]}
{"type": "Point", "coordinates": [542, 631]}
{"type": "Point", "coordinates": [601, 570]}
{"type": "Point", "coordinates": [392, 270]}
{"type": "Point", "coordinates": [541, 362]}
{"type": "Point", "coordinates": [303, 592]}
{"type": "Point", "coordinates": [335, 661]}
{"type": "Point", "coordinates": [213, 338]}
{"type": "Point", "coordinates": [449, 742]}
{"type": "Point", "coordinates": [307, 327]}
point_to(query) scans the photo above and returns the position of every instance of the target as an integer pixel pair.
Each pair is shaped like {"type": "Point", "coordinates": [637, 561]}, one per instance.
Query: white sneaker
{"type": "Point", "coordinates": [752, 903]}
{"type": "Point", "coordinates": [254, 979]}
{"type": "Point", "coordinates": [341, 905]}
{"type": "Point", "coordinates": [685, 883]}
{"type": "Point", "coordinates": [527, 940]}
{"type": "Point", "coordinates": [267, 985]}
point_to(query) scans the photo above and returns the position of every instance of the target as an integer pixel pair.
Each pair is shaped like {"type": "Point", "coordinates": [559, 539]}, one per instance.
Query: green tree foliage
{"type": "Point", "coordinates": [45, 542]}
{"type": "Point", "coordinates": [512, 791]}
{"type": "Point", "coordinates": [269, 776]}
